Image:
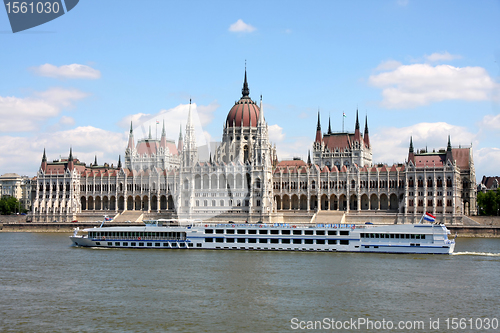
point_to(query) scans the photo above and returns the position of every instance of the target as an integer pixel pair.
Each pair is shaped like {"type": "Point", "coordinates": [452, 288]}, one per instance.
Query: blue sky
{"type": "Point", "coordinates": [426, 69]}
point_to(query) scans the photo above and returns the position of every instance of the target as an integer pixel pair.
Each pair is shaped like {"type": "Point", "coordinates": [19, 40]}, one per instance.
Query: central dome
{"type": "Point", "coordinates": [245, 112]}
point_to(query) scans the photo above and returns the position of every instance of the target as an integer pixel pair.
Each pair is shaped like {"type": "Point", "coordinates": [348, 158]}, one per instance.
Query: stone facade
{"type": "Point", "coordinates": [243, 177]}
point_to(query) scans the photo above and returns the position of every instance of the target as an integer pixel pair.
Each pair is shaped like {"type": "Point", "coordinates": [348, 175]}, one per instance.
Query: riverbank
{"type": "Point", "coordinates": [491, 231]}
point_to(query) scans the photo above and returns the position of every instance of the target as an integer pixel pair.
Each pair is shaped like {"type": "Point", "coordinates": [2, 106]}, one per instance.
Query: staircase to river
{"type": "Point", "coordinates": [329, 217]}
{"type": "Point", "coordinates": [129, 216]}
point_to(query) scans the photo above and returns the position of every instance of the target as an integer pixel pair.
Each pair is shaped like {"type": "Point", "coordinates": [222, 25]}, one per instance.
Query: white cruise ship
{"type": "Point", "coordinates": [165, 234]}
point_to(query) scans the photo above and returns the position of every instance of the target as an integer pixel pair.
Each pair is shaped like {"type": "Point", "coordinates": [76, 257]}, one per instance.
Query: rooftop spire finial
{"type": "Point", "coordinates": [245, 91]}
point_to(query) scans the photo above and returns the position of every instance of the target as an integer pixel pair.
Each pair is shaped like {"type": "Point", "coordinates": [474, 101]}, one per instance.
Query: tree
{"type": "Point", "coordinates": [489, 202]}
{"type": "Point", "coordinates": [9, 205]}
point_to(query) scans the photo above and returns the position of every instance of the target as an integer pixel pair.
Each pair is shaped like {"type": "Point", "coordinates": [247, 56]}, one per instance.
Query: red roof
{"type": "Point", "coordinates": [291, 163]}
{"type": "Point", "coordinates": [243, 111]}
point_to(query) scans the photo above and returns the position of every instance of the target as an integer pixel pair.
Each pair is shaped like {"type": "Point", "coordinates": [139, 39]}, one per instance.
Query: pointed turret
{"type": "Point", "coordinates": [95, 161]}
{"type": "Point", "coordinates": [71, 164]}
{"type": "Point", "coordinates": [260, 122]}
{"type": "Point", "coordinates": [119, 161]}
{"type": "Point", "coordinates": [366, 137]}
{"type": "Point", "coordinates": [163, 140]}
{"type": "Point", "coordinates": [318, 131]}
{"type": "Point", "coordinates": [411, 155]}
{"type": "Point", "coordinates": [329, 125]}
{"type": "Point", "coordinates": [357, 133]}
{"type": "Point", "coordinates": [190, 152]}
{"type": "Point", "coordinates": [449, 152]}
{"type": "Point", "coordinates": [245, 92]}
{"type": "Point", "coordinates": [150, 137]}
{"type": "Point", "coordinates": [131, 143]}
{"type": "Point", "coordinates": [44, 161]}
{"type": "Point", "coordinates": [309, 157]}
{"type": "Point", "coordinates": [180, 143]}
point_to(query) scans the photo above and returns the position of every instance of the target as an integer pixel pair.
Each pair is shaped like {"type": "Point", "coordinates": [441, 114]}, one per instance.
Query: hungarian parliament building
{"type": "Point", "coordinates": [244, 180]}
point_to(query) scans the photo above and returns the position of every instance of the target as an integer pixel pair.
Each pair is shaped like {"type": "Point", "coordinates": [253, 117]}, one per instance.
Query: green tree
{"type": "Point", "coordinates": [489, 202]}
{"type": "Point", "coordinates": [9, 205]}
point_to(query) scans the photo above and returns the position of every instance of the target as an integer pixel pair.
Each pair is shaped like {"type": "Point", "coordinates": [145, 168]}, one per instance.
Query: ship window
{"type": "Point", "coordinates": [396, 235]}
{"type": "Point", "coordinates": [252, 232]}
{"type": "Point", "coordinates": [219, 240]}
{"type": "Point", "coordinates": [190, 244]}
{"type": "Point", "coordinates": [344, 232]}
{"type": "Point", "coordinates": [308, 241]}
{"type": "Point", "coordinates": [297, 241]}
{"type": "Point", "coordinates": [417, 236]}
{"type": "Point", "coordinates": [141, 244]}
{"type": "Point", "coordinates": [275, 232]}
{"type": "Point", "coordinates": [263, 232]}
{"type": "Point", "coordinates": [209, 240]}
{"type": "Point", "coordinates": [209, 231]}
{"type": "Point", "coordinates": [110, 243]}
{"type": "Point", "coordinates": [285, 232]}
{"type": "Point", "coordinates": [263, 240]}
{"type": "Point", "coordinates": [386, 235]}
{"type": "Point", "coordinates": [117, 243]}
{"type": "Point", "coordinates": [297, 232]}
{"type": "Point", "coordinates": [132, 244]}
{"type": "Point", "coordinates": [149, 244]}
{"type": "Point", "coordinates": [285, 241]}
{"type": "Point", "coordinates": [97, 243]}
{"type": "Point", "coordinates": [308, 232]}
{"type": "Point", "coordinates": [229, 240]}
{"type": "Point", "coordinates": [332, 241]}
{"type": "Point", "coordinates": [165, 244]}
{"type": "Point", "coordinates": [274, 241]}
{"type": "Point", "coordinates": [241, 240]}
{"type": "Point", "coordinates": [241, 231]}
{"type": "Point", "coordinates": [332, 232]}
{"type": "Point", "coordinates": [407, 236]}
{"type": "Point", "coordinates": [125, 243]}
{"type": "Point", "coordinates": [392, 235]}
{"type": "Point", "coordinates": [157, 244]}
{"type": "Point", "coordinates": [252, 240]}
{"type": "Point", "coordinates": [229, 231]}
{"type": "Point", "coordinates": [320, 241]}
{"type": "Point", "coordinates": [344, 242]}
{"type": "Point", "coordinates": [412, 236]}
{"type": "Point", "coordinates": [376, 235]}
{"type": "Point", "coordinates": [422, 236]}
{"type": "Point", "coordinates": [320, 232]}
{"type": "Point", "coordinates": [219, 231]}
{"type": "Point", "coordinates": [198, 244]}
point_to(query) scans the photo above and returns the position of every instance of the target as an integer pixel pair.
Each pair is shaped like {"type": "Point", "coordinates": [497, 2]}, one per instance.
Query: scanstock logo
{"type": "Point", "coordinates": [31, 13]}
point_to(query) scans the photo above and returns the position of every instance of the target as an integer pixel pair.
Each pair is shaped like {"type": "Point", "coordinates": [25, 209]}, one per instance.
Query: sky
{"type": "Point", "coordinates": [420, 69]}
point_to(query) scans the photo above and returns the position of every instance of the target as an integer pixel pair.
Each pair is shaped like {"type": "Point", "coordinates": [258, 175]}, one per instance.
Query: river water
{"type": "Point", "coordinates": [46, 285]}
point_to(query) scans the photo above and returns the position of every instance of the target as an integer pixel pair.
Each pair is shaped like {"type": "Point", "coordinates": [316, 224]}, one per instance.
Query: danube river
{"type": "Point", "coordinates": [46, 285]}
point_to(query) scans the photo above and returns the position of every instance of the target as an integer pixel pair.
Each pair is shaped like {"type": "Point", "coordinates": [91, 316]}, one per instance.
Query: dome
{"type": "Point", "coordinates": [245, 111]}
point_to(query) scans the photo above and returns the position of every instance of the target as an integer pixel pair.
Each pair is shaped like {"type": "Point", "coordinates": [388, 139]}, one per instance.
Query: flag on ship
{"type": "Point", "coordinates": [429, 217]}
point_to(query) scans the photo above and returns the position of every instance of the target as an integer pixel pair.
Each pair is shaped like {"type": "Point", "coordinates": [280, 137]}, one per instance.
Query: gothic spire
{"type": "Point", "coordinates": [357, 120]}
{"type": "Point", "coordinates": [449, 144]}
{"type": "Point", "coordinates": [366, 137]}
{"type": "Point", "coordinates": [44, 158]}
{"type": "Point", "coordinates": [119, 161]}
{"type": "Point", "coordinates": [95, 161]}
{"type": "Point", "coordinates": [329, 126]}
{"type": "Point", "coordinates": [318, 131]}
{"type": "Point", "coordinates": [366, 124]}
{"type": "Point", "coordinates": [411, 144]}
{"type": "Point", "coordinates": [70, 158]}
{"type": "Point", "coordinates": [245, 91]}
{"type": "Point", "coordinates": [309, 157]}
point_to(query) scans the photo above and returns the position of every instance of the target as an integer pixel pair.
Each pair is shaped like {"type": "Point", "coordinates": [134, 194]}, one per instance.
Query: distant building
{"type": "Point", "coordinates": [19, 187]}
{"type": "Point", "coordinates": [489, 183]}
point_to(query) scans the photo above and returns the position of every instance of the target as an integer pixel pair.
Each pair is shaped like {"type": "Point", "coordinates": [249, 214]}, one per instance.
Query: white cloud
{"type": "Point", "coordinates": [240, 26]}
{"type": "Point", "coordinates": [26, 114]}
{"type": "Point", "coordinates": [175, 118]}
{"type": "Point", "coordinates": [23, 155]}
{"type": "Point", "coordinates": [390, 145]}
{"type": "Point", "coordinates": [388, 65]}
{"type": "Point", "coordinates": [67, 120]}
{"type": "Point", "coordinates": [486, 161]}
{"type": "Point", "coordinates": [491, 122]}
{"type": "Point", "coordinates": [73, 71]}
{"type": "Point", "coordinates": [276, 133]}
{"type": "Point", "coordinates": [415, 85]}
{"type": "Point", "coordinates": [445, 56]}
